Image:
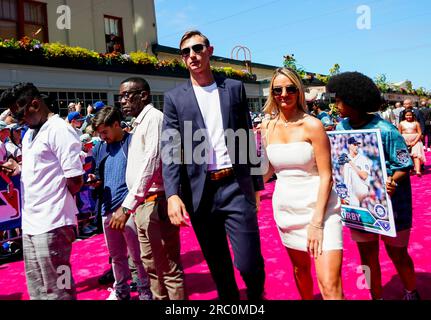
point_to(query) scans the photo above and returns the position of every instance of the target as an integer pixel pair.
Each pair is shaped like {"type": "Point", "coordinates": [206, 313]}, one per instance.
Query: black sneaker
{"type": "Point", "coordinates": [133, 286]}
{"type": "Point", "coordinates": [414, 295]}
{"type": "Point", "coordinates": [107, 277]}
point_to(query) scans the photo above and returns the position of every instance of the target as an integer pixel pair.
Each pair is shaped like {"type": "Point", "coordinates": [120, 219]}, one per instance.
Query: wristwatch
{"type": "Point", "coordinates": [126, 211]}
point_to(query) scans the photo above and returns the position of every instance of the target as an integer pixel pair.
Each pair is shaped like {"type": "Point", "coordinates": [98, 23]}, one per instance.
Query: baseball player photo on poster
{"type": "Point", "coordinates": [359, 172]}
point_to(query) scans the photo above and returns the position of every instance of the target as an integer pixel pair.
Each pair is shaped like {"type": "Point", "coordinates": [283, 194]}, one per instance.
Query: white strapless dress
{"type": "Point", "coordinates": [295, 196]}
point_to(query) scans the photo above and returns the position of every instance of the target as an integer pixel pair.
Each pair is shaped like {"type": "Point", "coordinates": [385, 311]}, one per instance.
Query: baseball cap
{"type": "Point", "coordinates": [98, 105]}
{"type": "Point", "coordinates": [75, 116]}
{"type": "Point", "coordinates": [352, 140]}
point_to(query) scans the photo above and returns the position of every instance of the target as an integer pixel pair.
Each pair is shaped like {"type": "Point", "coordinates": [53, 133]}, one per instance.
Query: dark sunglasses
{"type": "Point", "coordinates": [278, 91]}
{"type": "Point", "coordinates": [127, 94]}
{"type": "Point", "coordinates": [18, 112]}
{"type": "Point", "coordinates": [197, 48]}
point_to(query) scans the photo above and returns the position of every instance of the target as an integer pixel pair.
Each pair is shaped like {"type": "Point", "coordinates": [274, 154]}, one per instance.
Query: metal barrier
{"type": "Point", "coordinates": [10, 205]}
{"type": "Point", "coordinates": [10, 209]}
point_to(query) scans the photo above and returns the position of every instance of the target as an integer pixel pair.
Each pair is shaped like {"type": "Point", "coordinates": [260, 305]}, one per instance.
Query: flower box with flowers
{"type": "Point", "coordinates": [33, 52]}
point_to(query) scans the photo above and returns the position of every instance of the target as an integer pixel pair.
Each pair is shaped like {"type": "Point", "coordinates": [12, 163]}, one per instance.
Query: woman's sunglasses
{"type": "Point", "coordinates": [197, 48]}
{"type": "Point", "coordinates": [278, 91]}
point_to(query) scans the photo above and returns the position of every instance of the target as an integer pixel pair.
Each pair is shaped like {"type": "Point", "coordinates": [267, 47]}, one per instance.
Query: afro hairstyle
{"type": "Point", "coordinates": [356, 91]}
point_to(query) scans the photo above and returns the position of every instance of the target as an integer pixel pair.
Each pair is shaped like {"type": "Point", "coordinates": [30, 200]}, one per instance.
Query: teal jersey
{"type": "Point", "coordinates": [397, 155]}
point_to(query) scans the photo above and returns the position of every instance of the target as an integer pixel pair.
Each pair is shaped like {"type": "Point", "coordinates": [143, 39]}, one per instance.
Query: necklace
{"type": "Point", "coordinates": [287, 123]}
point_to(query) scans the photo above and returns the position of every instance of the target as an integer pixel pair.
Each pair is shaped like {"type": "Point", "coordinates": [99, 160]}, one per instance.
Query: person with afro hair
{"type": "Point", "coordinates": [357, 98]}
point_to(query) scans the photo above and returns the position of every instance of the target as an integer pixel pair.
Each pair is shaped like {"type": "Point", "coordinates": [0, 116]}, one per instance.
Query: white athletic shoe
{"type": "Point", "coordinates": [114, 295]}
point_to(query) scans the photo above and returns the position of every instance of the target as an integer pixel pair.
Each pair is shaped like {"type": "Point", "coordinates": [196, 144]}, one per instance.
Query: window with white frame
{"type": "Point", "coordinates": [114, 34]}
{"type": "Point", "coordinates": [61, 100]}
{"type": "Point", "coordinates": [19, 18]}
{"type": "Point", "coordinates": [254, 104]}
{"type": "Point", "coordinates": [157, 100]}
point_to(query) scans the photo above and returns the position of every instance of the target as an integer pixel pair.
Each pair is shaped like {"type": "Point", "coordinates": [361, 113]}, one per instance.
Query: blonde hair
{"type": "Point", "coordinates": [271, 106]}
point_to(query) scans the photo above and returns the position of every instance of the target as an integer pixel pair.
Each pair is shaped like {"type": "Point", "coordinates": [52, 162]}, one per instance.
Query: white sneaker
{"type": "Point", "coordinates": [145, 295]}
{"type": "Point", "coordinates": [112, 295]}
{"type": "Point", "coordinates": [115, 296]}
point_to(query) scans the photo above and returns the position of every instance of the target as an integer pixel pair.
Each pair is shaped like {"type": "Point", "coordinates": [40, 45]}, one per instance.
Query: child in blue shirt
{"type": "Point", "coordinates": [356, 97]}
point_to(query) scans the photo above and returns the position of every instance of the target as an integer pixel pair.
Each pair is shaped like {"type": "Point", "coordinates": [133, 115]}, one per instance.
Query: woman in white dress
{"type": "Point", "coordinates": [306, 209]}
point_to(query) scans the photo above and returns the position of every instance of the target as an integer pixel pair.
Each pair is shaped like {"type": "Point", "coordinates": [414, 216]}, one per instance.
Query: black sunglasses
{"type": "Point", "coordinates": [197, 48]}
{"type": "Point", "coordinates": [18, 112]}
{"type": "Point", "coordinates": [127, 94]}
{"type": "Point", "coordinates": [278, 91]}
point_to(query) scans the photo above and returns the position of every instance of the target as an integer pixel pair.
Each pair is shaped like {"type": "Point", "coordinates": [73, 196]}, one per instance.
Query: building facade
{"type": "Point", "coordinates": [87, 86]}
{"type": "Point", "coordinates": [93, 24]}
{"type": "Point", "coordinates": [102, 26]}
{"type": "Point", "coordinates": [105, 26]}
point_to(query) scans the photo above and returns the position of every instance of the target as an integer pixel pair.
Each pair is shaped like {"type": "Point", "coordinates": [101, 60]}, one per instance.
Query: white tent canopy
{"type": "Point", "coordinates": [406, 84]}
{"type": "Point", "coordinates": [314, 93]}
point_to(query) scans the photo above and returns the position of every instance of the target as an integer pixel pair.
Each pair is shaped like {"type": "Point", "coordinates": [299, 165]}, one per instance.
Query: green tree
{"type": "Point", "coordinates": [381, 82]}
{"type": "Point", "coordinates": [290, 62]}
{"type": "Point", "coordinates": [409, 85]}
{"type": "Point", "coordinates": [334, 70]}
{"type": "Point", "coordinates": [422, 92]}
{"type": "Point", "coordinates": [322, 78]}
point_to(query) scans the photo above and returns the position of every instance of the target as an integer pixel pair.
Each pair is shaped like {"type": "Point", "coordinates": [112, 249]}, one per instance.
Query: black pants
{"type": "Point", "coordinates": [224, 210]}
{"type": "Point", "coordinates": [427, 134]}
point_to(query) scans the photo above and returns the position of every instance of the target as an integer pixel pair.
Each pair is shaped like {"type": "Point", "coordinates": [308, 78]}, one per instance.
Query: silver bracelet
{"type": "Point", "coordinates": [315, 226]}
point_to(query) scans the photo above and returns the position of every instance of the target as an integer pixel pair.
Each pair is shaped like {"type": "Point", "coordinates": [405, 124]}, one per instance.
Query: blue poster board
{"type": "Point", "coordinates": [10, 204]}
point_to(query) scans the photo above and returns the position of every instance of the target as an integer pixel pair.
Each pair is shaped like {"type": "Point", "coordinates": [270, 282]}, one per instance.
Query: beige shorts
{"type": "Point", "coordinates": [401, 240]}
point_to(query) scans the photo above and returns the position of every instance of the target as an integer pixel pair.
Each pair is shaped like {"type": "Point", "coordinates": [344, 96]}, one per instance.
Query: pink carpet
{"type": "Point", "coordinates": [90, 260]}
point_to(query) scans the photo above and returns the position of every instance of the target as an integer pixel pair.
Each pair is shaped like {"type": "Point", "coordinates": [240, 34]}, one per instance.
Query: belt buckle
{"type": "Point", "coordinates": [214, 176]}
{"type": "Point", "coordinates": [151, 198]}
{"type": "Point", "coordinates": [220, 174]}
